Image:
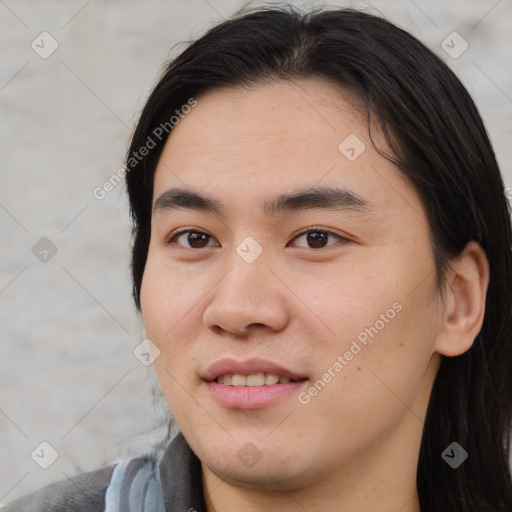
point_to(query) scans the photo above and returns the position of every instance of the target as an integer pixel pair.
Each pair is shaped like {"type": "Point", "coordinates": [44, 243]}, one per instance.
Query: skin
{"type": "Point", "coordinates": [354, 446]}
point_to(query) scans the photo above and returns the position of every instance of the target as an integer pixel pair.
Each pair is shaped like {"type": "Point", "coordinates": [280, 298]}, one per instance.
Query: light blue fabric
{"type": "Point", "coordinates": [135, 487]}
{"type": "Point", "coordinates": [114, 489]}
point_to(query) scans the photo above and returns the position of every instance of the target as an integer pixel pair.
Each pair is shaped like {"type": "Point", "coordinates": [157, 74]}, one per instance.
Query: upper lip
{"type": "Point", "coordinates": [228, 366]}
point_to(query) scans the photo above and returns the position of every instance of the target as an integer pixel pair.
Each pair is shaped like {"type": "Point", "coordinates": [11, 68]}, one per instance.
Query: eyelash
{"type": "Point", "coordinates": [174, 236]}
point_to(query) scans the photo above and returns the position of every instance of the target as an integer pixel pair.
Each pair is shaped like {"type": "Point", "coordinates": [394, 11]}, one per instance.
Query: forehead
{"type": "Point", "coordinates": [311, 111]}
{"type": "Point", "coordinates": [246, 145]}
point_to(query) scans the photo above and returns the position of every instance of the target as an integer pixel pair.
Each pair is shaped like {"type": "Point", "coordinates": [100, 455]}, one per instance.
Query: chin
{"type": "Point", "coordinates": [272, 469]}
{"type": "Point", "coordinates": [262, 476]}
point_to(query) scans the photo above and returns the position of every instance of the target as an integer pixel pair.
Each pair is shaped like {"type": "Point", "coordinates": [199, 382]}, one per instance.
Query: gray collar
{"type": "Point", "coordinates": [181, 477]}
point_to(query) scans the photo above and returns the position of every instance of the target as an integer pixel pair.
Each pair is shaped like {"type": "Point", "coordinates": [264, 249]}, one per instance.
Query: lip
{"type": "Point", "coordinates": [250, 397]}
{"type": "Point", "coordinates": [228, 366]}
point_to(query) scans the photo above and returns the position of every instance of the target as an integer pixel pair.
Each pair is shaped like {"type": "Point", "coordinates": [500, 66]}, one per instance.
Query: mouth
{"type": "Point", "coordinates": [250, 372]}
{"type": "Point", "coordinates": [255, 379]}
{"type": "Point", "coordinates": [251, 384]}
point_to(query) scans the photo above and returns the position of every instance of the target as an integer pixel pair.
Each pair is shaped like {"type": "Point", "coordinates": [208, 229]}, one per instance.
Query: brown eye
{"type": "Point", "coordinates": [317, 239]}
{"type": "Point", "coordinates": [196, 239]}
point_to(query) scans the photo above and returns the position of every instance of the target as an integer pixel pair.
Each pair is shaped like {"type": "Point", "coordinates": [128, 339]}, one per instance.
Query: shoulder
{"type": "Point", "coordinates": [121, 486]}
{"type": "Point", "coordinates": [85, 492]}
{"type": "Point", "coordinates": [129, 484]}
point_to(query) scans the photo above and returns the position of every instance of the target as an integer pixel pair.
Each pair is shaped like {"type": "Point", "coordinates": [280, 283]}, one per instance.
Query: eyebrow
{"type": "Point", "coordinates": [322, 198]}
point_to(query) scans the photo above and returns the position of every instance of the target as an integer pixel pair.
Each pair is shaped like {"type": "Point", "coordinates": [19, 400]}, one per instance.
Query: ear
{"type": "Point", "coordinates": [464, 308]}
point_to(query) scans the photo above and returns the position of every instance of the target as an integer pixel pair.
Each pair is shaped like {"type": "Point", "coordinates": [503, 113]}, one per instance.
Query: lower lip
{"type": "Point", "coordinates": [252, 397]}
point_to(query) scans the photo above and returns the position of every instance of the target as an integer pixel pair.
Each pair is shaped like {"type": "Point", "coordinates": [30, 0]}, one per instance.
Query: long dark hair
{"type": "Point", "coordinates": [438, 140]}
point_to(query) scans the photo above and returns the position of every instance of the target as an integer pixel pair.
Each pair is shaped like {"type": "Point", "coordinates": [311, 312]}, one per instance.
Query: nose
{"type": "Point", "coordinates": [249, 296]}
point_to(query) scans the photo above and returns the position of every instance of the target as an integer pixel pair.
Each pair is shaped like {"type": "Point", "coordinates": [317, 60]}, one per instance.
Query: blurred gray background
{"type": "Point", "coordinates": [68, 327]}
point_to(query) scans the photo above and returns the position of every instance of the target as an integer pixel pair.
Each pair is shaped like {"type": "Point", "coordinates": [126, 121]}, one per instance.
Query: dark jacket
{"type": "Point", "coordinates": [175, 480]}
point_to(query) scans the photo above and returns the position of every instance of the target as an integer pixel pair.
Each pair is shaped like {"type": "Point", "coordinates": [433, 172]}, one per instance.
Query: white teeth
{"type": "Point", "coordinates": [238, 380]}
{"type": "Point", "coordinates": [271, 379]}
{"type": "Point", "coordinates": [257, 379]}
{"type": "Point", "coordinates": [254, 380]}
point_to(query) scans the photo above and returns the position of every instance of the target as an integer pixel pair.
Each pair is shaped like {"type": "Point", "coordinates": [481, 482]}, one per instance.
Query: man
{"type": "Point", "coordinates": [321, 252]}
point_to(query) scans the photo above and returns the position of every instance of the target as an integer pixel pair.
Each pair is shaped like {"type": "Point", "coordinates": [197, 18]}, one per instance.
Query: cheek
{"type": "Point", "coordinates": [344, 300]}
{"type": "Point", "coordinates": [379, 320]}
{"type": "Point", "coordinates": [163, 298]}
{"type": "Point", "coordinates": [158, 317]}
{"type": "Point", "coordinates": [151, 300]}
{"type": "Point", "coordinates": [161, 307]}
{"type": "Point", "coordinates": [170, 319]}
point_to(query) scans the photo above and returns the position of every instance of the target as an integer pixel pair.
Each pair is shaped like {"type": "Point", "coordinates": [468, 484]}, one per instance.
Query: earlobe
{"type": "Point", "coordinates": [465, 301]}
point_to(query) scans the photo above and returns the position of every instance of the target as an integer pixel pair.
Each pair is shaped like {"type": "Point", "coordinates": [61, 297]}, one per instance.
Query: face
{"type": "Point", "coordinates": [333, 290]}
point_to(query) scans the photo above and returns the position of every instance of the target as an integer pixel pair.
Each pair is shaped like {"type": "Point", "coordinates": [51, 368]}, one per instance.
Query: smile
{"type": "Point", "coordinates": [252, 391]}
{"type": "Point", "coordinates": [254, 380]}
